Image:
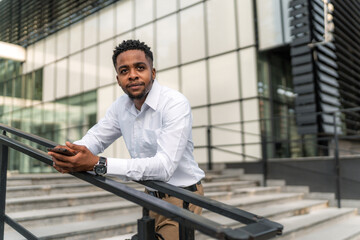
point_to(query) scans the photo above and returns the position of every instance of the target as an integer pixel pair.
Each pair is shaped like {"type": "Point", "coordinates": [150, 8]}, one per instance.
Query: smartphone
{"type": "Point", "coordinates": [62, 151]}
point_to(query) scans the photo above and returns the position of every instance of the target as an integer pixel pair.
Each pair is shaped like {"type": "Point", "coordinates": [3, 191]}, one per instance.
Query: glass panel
{"type": "Point", "coordinates": [75, 74]}
{"type": "Point", "coordinates": [124, 16]}
{"type": "Point", "coordinates": [76, 31]}
{"type": "Point", "coordinates": [90, 69]}
{"type": "Point", "coordinates": [60, 136]}
{"type": "Point", "coordinates": [229, 134]}
{"type": "Point", "coordinates": [248, 73]}
{"type": "Point", "coordinates": [49, 122]}
{"type": "Point", "coordinates": [195, 91]}
{"type": "Point", "coordinates": [143, 11]}
{"type": "Point", "coordinates": [246, 28]}
{"type": "Point", "coordinates": [62, 43]}
{"type": "Point", "coordinates": [251, 128]}
{"type": "Point", "coordinates": [225, 113]}
{"type": "Point", "coordinates": [90, 28]}
{"type": "Point", "coordinates": [185, 3]}
{"type": "Point", "coordinates": [126, 36]}
{"type": "Point", "coordinates": [221, 26]}
{"type": "Point", "coordinates": [146, 34]}
{"type": "Point", "coordinates": [105, 96]}
{"type": "Point", "coordinates": [286, 20]}
{"type": "Point", "coordinates": [167, 45]}
{"type": "Point", "coordinates": [169, 78]}
{"type": "Point", "coordinates": [29, 64]}
{"type": "Point", "coordinates": [50, 48]}
{"type": "Point", "coordinates": [106, 66]}
{"type": "Point", "coordinates": [224, 81]}
{"type": "Point", "coordinates": [29, 83]}
{"type": "Point", "coordinates": [107, 20]}
{"type": "Point", "coordinates": [74, 134]}
{"type": "Point", "coordinates": [36, 127]}
{"type": "Point", "coordinates": [49, 83]}
{"type": "Point", "coordinates": [192, 38]}
{"type": "Point", "coordinates": [2, 89]}
{"type": "Point", "coordinates": [39, 54]}
{"type": "Point", "coordinates": [200, 116]}
{"type": "Point", "coordinates": [8, 88]}
{"type": "Point", "coordinates": [3, 70]}
{"type": "Point", "coordinates": [90, 109]}
{"type": "Point", "coordinates": [61, 113]}
{"type": "Point", "coordinates": [199, 136]}
{"type": "Point", "coordinates": [75, 111]}
{"type": "Point", "coordinates": [164, 7]}
{"type": "Point", "coordinates": [61, 78]}
{"type": "Point", "coordinates": [18, 91]}
{"type": "Point", "coordinates": [38, 85]}
{"type": "Point", "coordinates": [269, 23]}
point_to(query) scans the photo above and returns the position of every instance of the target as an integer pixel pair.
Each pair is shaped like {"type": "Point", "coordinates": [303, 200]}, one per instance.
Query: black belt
{"type": "Point", "coordinates": [161, 195]}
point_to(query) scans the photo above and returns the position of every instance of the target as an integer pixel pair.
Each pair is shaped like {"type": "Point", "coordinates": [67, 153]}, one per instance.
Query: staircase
{"type": "Point", "coordinates": [59, 206]}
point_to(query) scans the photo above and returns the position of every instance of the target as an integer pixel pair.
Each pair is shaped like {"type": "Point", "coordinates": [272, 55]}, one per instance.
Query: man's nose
{"type": "Point", "coordinates": [133, 74]}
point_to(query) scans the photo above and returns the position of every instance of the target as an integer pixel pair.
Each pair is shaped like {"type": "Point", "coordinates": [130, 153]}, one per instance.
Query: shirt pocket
{"type": "Point", "coordinates": [149, 139]}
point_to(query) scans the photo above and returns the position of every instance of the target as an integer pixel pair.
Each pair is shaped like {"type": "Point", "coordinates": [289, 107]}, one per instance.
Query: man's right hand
{"type": "Point", "coordinates": [84, 160]}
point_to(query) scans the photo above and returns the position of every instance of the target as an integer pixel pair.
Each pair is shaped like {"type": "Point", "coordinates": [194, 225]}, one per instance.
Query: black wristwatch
{"type": "Point", "coordinates": [101, 167]}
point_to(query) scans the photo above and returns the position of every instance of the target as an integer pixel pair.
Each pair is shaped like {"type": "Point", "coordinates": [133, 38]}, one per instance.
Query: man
{"type": "Point", "coordinates": [155, 123]}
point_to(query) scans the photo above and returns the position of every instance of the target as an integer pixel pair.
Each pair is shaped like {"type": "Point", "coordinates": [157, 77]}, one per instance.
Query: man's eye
{"type": "Point", "coordinates": [123, 71]}
{"type": "Point", "coordinates": [140, 67]}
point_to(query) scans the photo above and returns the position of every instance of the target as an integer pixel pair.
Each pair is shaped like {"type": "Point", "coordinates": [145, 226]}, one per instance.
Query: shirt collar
{"type": "Point", "coordinates": [152, 98]}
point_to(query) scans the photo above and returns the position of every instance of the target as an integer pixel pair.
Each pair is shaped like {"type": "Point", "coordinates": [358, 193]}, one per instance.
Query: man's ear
{"type": "Point", "coordinates": [117, 79]}
{"type": "Point", "coordinates": [153, 73]}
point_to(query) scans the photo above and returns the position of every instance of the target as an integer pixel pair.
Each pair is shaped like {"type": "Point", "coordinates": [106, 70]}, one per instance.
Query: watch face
{"type": "Point", "coordinates": [100, 170]}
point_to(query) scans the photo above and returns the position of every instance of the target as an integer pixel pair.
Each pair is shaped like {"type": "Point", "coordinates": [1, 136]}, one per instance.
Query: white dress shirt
{"type": "Point", "coordinates": [158, 138]}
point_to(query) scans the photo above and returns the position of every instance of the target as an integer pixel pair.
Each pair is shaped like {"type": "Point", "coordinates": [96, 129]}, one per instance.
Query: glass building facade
{"type": "Point", "coordinates": [211, 51]}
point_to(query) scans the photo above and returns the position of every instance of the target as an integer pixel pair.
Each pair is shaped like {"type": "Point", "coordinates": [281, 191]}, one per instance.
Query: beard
{"type": "Point", "coordinates": [142, 94]}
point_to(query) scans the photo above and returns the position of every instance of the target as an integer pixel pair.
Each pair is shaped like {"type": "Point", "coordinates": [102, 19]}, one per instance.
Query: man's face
{"type": "Point", "coordinates": [135, 74]}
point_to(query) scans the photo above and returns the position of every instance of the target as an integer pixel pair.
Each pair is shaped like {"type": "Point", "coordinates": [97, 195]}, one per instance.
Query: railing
{"type": "Point", "coordinates": [266, 141]}
{"type": "Point", "coordinates": [256, 227]}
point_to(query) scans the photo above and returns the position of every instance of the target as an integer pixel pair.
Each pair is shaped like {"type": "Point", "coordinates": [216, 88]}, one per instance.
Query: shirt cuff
{"type": "Point", "coordinates": [116, 166]}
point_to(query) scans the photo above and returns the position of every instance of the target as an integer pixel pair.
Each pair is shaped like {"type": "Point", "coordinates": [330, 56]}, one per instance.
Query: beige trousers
{"type": "Point", "coordinates": [169, 228]}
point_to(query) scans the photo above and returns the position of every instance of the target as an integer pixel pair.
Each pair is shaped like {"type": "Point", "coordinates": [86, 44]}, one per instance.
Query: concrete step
{"type": "Point", "coordinates": [227, 186]}
{"type": "Point", "coordinates": [348, 229]}
{"type": "Point", "coordinates": [92, 229]}
{"type": "Point", "coordinates": [50, 189]}
{"type": "Point", "coordinates": [43, 190]}
{"type": "Point", "coordinates": [212, 177]}
{"type": "Point", "coordinates": [53, 189]}
{"type": "Point", "coordinates": [271, 211]}
{"type": "Point", "coordinates": [297, 226]}
{"type": "Point", "coordinates": [99, 212]}
{"type": "Point", "coordinates": [61, 215]}
{"type": "Point", "coordinates": [304, 224]}
{"type": "Point", "coordinates": [257, 201]}
{"type": "Point", "coordinates": [58, 200]}
{"type": "Point", "coordinates": [65, 214]}
{"type": "Point", "coordinates": [40, 179]}
{"type": "Point", "coordinates": [79, 193]}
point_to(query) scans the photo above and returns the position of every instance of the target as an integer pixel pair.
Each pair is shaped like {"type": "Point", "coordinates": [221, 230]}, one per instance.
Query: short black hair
{"type": "Point", "coordinates": [132, 45]}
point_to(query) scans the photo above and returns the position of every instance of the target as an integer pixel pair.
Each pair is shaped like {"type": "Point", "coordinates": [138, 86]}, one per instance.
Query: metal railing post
{"type": "Point", "coordinates": [3, 174]}
{"type": "Point", "coordinates": [146, 226]}
{"type": "Point", "coordinates": [209, 147]}
{"type": "Point", "coordinates": [186, 233]}
{"type": "Point", "coordinates": [337, 163]}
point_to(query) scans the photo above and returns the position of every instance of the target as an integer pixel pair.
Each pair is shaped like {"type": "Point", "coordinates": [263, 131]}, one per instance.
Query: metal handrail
{"type": "Point", "coordinates": [257, 227]}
